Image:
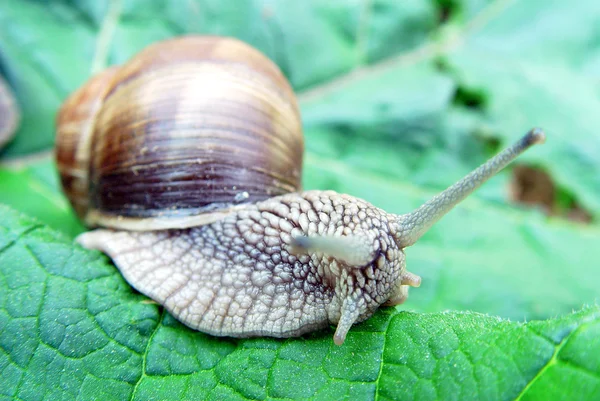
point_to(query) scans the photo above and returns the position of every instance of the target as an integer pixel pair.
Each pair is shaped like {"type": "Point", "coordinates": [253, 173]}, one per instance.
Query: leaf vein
{"type": "Point", "coordinates": [146, 351]}
{"type": "Point", "coordinates": [553, 359]}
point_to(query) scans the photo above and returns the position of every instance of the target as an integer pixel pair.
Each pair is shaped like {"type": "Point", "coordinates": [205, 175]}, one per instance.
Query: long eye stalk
{"type": "Point", "coordinates": [413, 225]}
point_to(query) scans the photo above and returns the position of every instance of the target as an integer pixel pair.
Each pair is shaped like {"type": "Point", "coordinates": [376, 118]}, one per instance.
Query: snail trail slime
{"type": "Point", "coordinates": [154, 155]}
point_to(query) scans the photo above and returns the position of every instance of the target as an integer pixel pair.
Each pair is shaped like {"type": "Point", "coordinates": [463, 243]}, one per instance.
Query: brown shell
{"type": "Point", "coordinates": [189, 126]}
{"type": "Point", "coordinates": [74, 124]}
{"type": "Point", "coordinates": [9, 113]}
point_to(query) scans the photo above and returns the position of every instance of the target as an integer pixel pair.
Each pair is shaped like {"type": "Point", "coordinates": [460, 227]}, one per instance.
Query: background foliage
{"type": "Point", "coordinates": [399, 99]}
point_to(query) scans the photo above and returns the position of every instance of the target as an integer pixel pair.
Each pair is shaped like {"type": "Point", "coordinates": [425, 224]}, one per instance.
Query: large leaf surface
{"type": "Point", "coordinates": [71, 327]}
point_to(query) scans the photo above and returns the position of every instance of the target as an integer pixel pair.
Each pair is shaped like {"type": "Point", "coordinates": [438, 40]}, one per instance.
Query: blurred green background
{"type": "Point", "coordinates": [398, 99]}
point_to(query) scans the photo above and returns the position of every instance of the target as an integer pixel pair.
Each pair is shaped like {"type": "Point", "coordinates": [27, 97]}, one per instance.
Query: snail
{"type": "Point", "coordinates": [186, 162]}
{"type": "Point", "coordinates": [9, 113]}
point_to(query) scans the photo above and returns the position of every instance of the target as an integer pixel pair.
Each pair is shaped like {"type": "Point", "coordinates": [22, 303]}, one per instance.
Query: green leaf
{"type": "Point", "coordinates": [34, 189]}
{"type": "Point", "coordinates": [70, 326]}
{"type": "Point", "coordinates": [535, 65]}
{"type": "Point", "coordinates": [310, 42]}
{"type": "Point", "coordinates": [42, 76]}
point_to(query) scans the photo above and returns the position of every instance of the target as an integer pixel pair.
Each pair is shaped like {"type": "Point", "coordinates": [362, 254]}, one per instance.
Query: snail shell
{"type": "Point", "coordinates": [9, 114]}
{"type": "Point", "coordinates": [177, 136]}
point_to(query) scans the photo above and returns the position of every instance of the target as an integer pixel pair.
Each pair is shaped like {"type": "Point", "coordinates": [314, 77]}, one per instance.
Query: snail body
{"type": "Point", "coordinates": [241, 276]}
{"type": "Point", "coordinates": [162, 180]}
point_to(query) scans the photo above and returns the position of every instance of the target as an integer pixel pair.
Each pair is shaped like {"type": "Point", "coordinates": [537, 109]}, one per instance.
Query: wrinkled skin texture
{"type": "Point", "coordinates": [243, 276]}
{"type": "Point", "coordinates": [290, 264]}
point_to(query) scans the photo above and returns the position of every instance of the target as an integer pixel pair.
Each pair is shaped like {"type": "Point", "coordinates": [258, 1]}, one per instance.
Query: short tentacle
{"type": "Point", "coordinates": [350, 313]}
